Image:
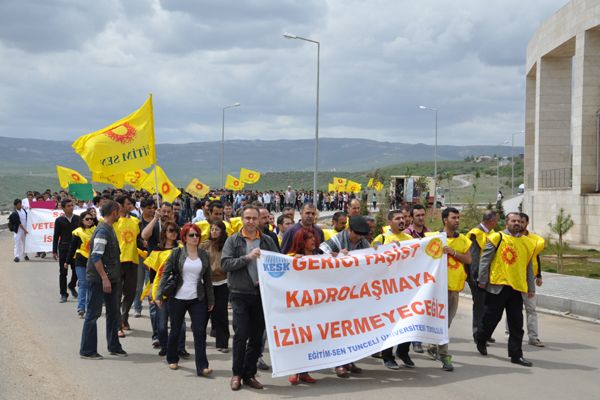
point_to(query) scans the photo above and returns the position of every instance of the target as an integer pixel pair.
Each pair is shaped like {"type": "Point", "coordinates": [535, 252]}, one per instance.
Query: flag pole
{"type": "Point", "coordinates": [155, 172]}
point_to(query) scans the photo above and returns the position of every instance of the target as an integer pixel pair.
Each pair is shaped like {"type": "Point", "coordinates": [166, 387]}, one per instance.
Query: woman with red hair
{"type": "Point", "coordinates": [188, 273]}
{"type": "Point", "coordinates": [304, 243]}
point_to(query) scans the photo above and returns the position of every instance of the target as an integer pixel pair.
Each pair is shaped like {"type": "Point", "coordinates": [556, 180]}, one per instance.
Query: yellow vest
{"type": "Point", "coordinates": [232, 226]}
{"type": "Point", "coordinates": [390, 237]}
{"type": "Point", "coordinates": [329, 233]}
{"type": "Point", "coordinates": [156, 261]}
{"type": "Point", "coordinates": [127, 230]}
{"type": "Point", "coordinates": [480, 237]}
{"type": "Point", "coordinates": [85, 235]}
{"type": "Point", "coordinates": [539, 247]}
{"type": "Point", "coordinates": [204, 230]}
{"type": "Point", "coordinates": [457, 275]}
{"type": "Point", "coordinates": [509, 266]}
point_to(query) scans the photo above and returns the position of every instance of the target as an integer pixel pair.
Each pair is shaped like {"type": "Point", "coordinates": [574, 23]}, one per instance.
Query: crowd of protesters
{"type": "Point", "coordinates": [199, 256]}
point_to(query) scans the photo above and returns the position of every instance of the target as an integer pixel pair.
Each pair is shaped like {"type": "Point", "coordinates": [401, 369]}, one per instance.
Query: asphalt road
{"type": "Point", "coordinates": [39, 343]}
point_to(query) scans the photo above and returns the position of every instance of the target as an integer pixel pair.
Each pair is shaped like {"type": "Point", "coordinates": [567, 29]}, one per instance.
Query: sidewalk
{"type": "Point", "coordinates": [568, 295]}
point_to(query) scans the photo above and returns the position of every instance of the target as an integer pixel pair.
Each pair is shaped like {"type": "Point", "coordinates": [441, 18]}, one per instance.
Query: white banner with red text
{"type": "Point", "coordinates": [323, 311]}
{"type": "Point", "coordinates": [40, 228]}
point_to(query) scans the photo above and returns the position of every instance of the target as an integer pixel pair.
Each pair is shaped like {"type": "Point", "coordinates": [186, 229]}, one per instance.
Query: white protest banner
{"type": "Point", "coordinates": [323, 311]}
{"type": "Point", "coordinates": [40, 225]}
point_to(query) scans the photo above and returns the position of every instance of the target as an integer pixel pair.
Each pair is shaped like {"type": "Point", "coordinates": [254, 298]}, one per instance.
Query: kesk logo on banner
{"type": "Point", "coordinates": [323, 311]}
{"type": "Point", "coordinates": [40, 225]}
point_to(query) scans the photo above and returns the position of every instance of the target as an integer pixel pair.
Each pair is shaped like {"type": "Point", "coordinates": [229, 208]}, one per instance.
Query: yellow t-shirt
{"type": "Point", "coordinates": [389, 237]}
{"type": "Point", "coordinates": [85, 235]}
{"type": "Point", "coordinates": [509, 266]}
{"type": "Point", "coordinates": [457, 275]}
{"type": "Point", "coordinates": [127, 230]}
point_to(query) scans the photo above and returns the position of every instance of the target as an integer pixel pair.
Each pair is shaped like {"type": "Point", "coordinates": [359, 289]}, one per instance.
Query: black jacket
{"type": "Point", "coordinates": [63, 232]}
{"type": "Point", "coordinates": [175, 263]}
{"type": "Point", "coordinates": [14, 220]}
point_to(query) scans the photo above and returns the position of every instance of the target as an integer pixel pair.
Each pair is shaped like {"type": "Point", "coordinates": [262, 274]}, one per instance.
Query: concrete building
{"type": "Point", "coordinates": [562, 157]}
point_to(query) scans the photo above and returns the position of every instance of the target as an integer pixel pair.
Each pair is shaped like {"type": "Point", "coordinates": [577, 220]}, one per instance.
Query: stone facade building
{"type": "Point", "coordinates": [562, 111]}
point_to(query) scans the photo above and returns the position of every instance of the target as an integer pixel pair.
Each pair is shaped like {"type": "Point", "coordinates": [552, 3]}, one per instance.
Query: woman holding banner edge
{"type": "Point", "coordinates": [305, 242]}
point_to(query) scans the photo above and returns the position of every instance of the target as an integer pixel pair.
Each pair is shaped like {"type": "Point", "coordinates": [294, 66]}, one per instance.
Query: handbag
{"type": "Point", "coordinates": [173, 279]}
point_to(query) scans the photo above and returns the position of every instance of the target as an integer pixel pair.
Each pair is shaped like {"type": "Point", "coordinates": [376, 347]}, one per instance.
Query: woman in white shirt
{"type": "Point", "coordinates": [189, 269]}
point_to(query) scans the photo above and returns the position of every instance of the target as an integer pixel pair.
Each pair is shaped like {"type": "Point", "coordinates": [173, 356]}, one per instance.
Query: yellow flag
{"type": "Point", "coordinates": [117, 180]}
{"type": "Point", "coordinates": [197, 188]}
{"type": "Point", "coordinates": [330, 187]}
{"type": "Point", "coordinates": [135, 178]}
{"type": "Point", "coordinates": [370, 184]}
{"type": "Point", "coordinates": [353, 187]}
{"type": "Point", "coordinates": [68, 175]}
{"type": "Point", "coordinates": [249, 176]}
{"type": "Point", "coordinates": [338, 182]}
{"type": "Point", "coordinates": [166, 188]}
{"type": "Point", "coordinates": [123, 146]}
{"type": "Point", "coordinates": [378, 186]}
{"type": "Point", "coordinates": [233, 183]}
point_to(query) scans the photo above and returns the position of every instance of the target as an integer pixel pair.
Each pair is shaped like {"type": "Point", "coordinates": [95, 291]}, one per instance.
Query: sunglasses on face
{"type": "Point", "coordinates": [171, 230]}
{"type": "Point", "coordinates": [88, 219]}
{"type": "Point", "coordinates": [193, 235]}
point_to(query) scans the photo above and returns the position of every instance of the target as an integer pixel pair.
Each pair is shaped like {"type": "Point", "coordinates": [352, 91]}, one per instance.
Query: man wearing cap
{"type": "Point", "coordinates": [349, 239]}
{"type": "Point", "coordinates": [344, 242]}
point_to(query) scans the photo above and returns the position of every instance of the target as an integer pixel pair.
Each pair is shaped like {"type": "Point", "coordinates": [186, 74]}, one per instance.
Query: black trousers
{"type": "Point", "coordinates": [478, 296]}
{"type": "Point", "coordinates": [219, 317]}
{"type": "Point", "coordinates": [128, 285]}
{"type": "Point", "coordinates": [512, 301]}
{"type": "Point", "coordinates": [401, 350]}
{"type": "Point", "coordinates": [64, 272]}
{"type": "Point", "coordinates": [248, 328]}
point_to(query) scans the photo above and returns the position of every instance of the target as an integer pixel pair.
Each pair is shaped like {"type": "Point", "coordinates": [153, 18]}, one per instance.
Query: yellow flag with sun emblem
{"type": "Point", "coordinates": [135, 178]}
{"type": "Point", "coordinates": [117, 180]}
{"type": "Point", "coordinates": [68, 175]}
{"type": "Point", "coordinates": [233, 183]}
{"type": "Point", "coordinates": [123, 146]}
{"type": "Point", "coordinates": [353, 187]}
{"type": "Point", "coordinates": [197, 188]}
{"type": "Point", "coordinates": [166, 188]}
{"type": "Point", "coordinates": [249, 176]}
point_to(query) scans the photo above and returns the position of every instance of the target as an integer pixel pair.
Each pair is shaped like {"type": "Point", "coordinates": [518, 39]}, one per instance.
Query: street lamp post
{"type": "Point", "coordinates": [223, 140]}
{"type": "Point", "coordinates": [512, 162]}
{"type": "Point", "coordinates": [434, 156]}
{"type": "Point", "coordinates": [291, 36]}
{"type": "Point", "coordinates": [498, 170]}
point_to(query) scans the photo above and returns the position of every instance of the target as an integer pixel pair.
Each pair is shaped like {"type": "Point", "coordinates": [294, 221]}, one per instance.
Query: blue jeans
{"type": "Point", "coordinates": [142, 278]}
{"type": "Point", "coordinates": [198, 311]}
{"type": "Point", "coordinates": [89, 334]}
{"type": "Point", "coordinates": [153, 311]}
{"type": "Point", "coordinates": [162, 320]}
{"type": "Point", "coordinates": [83, 288]}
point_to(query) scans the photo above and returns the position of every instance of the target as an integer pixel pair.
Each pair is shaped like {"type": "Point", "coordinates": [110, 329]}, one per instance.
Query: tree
{"type": "Point", "coordinates": [561, 226]}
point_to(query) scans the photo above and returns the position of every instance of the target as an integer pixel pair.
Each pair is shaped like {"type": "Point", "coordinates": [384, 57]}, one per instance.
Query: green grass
{"type": "Point", "coordinates": [578, 264]}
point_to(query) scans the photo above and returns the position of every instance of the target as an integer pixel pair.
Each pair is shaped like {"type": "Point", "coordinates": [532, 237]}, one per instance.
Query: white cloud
{"type": "Point", "coordinates": [68, 69]}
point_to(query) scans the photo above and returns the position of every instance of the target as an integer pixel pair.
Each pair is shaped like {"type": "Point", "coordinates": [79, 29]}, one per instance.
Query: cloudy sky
{"type": "Point", "coordinates": [68, 67]}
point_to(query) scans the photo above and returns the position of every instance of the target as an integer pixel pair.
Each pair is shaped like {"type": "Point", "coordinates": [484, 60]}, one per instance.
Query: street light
{"type": "Point", "coordinates": [291, 36]}
{"type": "Point", "coordinates": [498, 170]}
{"type": "Point", "coordinates": [434, 156]}
{"type": "Point", "coordinates": [512, 162]}
{"type": "Point", "coordinates": [223, 140]}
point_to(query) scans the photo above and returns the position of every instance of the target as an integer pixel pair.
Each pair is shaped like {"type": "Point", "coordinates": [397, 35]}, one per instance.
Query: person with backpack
{"type": "Point", "coordinates": [17, 223]}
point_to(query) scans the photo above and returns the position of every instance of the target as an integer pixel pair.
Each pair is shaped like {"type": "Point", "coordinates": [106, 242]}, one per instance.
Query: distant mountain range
{"type": "Point", "coordinates": [202, 159]}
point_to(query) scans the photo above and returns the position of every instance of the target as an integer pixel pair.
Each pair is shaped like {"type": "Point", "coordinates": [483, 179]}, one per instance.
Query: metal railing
{"type": "Point", "coordinates": [558, 178]}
